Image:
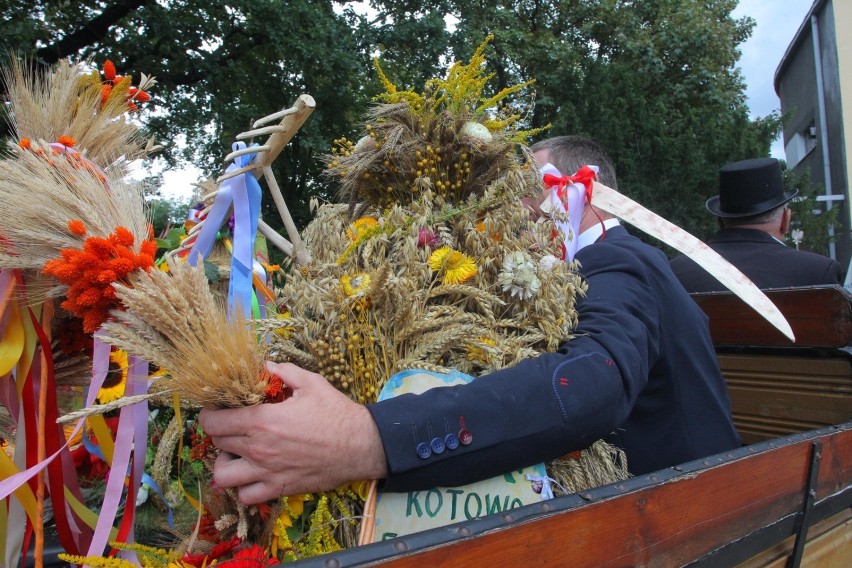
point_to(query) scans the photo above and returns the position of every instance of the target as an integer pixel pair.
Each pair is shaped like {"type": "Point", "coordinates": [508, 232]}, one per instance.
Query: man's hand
{"type": "Point", "coordinates": [315, 440]}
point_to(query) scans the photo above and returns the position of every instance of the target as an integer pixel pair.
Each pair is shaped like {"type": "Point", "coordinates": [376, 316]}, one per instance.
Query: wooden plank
{"type": "Point", "coordinates": [671, 523]}
{"type": "Point", "coordinates": [829, 546]}
{"type": "Point", "coordinates": [775, 395]}
{"type": "Point", "coordinates": [821, 316]}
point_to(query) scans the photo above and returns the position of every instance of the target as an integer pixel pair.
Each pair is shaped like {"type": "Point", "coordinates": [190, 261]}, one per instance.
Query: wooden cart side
{"type": "Point", "coordinates": [778, 387]}
{"type": "Point", "coordinates": [718, 511]}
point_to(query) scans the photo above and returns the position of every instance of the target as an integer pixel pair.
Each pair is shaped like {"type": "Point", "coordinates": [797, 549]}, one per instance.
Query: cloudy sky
{"type": "Point", "coordinates": [777, 22]}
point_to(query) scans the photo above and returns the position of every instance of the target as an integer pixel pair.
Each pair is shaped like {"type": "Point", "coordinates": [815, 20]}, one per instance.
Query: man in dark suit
{"type": "Point", "coordinates": [754, 218]}
{"type": "Point", "coordinates": [641, 373]}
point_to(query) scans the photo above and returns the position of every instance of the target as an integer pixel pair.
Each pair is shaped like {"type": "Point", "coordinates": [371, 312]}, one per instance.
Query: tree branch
{"type": "Point", "coordinates": [91, 32]}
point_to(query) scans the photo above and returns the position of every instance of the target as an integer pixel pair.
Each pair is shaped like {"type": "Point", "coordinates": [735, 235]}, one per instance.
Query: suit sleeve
{"type": "Point", "coordinates": [833, 274]}
{"type": "Point", "coordinates": [543, 407]}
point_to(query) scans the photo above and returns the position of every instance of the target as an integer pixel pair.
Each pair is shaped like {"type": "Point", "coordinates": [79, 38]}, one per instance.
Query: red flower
{"type": "Point", "coordinates": [122, 237]}
{"type": "Point", "coordinates": [251, 557]}
{"type": "Point", "coordinates": [90, 273]}
{"type": "Point", "coordinates": [274, 388]}
{"type": "Point", "coordinates": [105, 92]}
{"type": "Point", "coordinates": [109, 70]}
{"type": "Point", "coordinates": [215, 553]}
{"type": "Point", "coordinates": [138, 95]}
{"type": "Point", "coordinates": [66, 141]}
{"type": "Point", "coordinates": [25, 143]}
{"type": "Point", "coordinates": [77, 227]}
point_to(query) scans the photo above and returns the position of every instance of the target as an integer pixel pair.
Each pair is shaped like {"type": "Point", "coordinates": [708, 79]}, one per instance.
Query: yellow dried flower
{"type": "Point", "coordinates": [455, 267]}
{"type": "Point", "coordinates": [356, 284]}
{"type": "Point", "coordinates": [360, 227]}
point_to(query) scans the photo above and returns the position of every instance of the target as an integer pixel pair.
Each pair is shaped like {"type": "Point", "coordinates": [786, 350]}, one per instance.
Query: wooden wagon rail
{"type": "Point", "coordinates": [719, 511]}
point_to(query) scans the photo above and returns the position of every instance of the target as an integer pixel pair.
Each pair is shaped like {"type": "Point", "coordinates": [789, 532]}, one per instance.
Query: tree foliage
{"type": "Point", "coordinates": [654, 81]}
{"type": "Point", "coordinates": [810, 218]}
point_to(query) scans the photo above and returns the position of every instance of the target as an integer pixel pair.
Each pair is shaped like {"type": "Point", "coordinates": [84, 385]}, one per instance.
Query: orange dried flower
{"type": "Point", "coordinates": [133, 107]}
{"type": "Point", "coordinates": [88, 297]}
{"type": "Point", "coordinates": [101, 248]}
{"type": "Point", "coordinates": [25, 143]}
{"type": "Point", "coordinates": [90, 273]}
{"type": "Point", "coordinates": [67, 141]}
{"type": "Point", "coordinates": [105, 92]}
{"type": "Point", "coordinates": [138, 95]}
{"type": "Point", "coordinates": [77, 227]}
{"type": "Point", "coordinates": [109, 70]}
{"type": "Point", "coordinates": [121, 265]}
{"type": "Point", "coordinates": [107, 277]}
{"type": "Point", "coordinates": [123, 236]}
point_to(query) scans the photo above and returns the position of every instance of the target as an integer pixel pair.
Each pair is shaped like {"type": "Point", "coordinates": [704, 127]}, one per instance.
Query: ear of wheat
{"type": "Point", "coordinates": [174, 321]}
{"type": "Point", "coordinates": [70, 102]}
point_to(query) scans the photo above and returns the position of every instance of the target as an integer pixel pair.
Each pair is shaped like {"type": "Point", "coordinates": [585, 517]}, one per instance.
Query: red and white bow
{"type": "Point", "coordinates": [572, 193]}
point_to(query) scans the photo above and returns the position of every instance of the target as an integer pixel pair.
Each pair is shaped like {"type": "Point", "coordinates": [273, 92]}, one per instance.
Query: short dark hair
{"type": "Point", "coordinates": [570, 153]}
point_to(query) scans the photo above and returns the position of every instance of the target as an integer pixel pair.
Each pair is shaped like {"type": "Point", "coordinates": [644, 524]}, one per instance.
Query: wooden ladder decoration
{"type": "Point", "coordinates": [290, 120]}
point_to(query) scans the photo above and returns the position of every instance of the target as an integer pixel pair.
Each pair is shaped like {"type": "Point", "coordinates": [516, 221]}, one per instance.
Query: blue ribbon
{"type": "Point", "coordinates": [244, 193]}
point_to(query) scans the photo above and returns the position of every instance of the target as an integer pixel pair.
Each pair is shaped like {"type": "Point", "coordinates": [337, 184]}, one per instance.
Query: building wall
{"type": "Point", "coordinates": [796, 85]}
{"type": "Point", "coordinates": [843, 20]}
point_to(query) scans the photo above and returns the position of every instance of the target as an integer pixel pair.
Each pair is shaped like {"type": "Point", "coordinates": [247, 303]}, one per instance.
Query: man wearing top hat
{"type": "Point", "coordinates": [753, 217]}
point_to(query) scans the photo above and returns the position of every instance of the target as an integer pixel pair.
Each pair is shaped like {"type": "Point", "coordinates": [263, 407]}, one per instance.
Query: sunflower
{"type": "Point", "coordinates": [116, 380]}
{"type": "Point", "coordinates": [294, 506]}
{"type": "Point", "coordinates": [456, 267]}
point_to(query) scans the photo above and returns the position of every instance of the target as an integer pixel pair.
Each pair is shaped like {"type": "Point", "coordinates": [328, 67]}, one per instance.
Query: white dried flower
{"type": "Point", "coordinates": [518, 275]}
{"type": "Point", "coordinates": [477, 130]}
{"type": "Point", "coordinates": [363, 142]}
{"type": "Point", "coordinates": [547, 262]}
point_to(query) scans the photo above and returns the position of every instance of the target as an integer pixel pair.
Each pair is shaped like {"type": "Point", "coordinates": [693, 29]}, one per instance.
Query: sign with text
{"type": "Point", "coordinates": [399, 514]}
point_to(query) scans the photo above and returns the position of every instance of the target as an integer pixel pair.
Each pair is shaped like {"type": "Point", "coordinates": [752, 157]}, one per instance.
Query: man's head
{"type": "Point", "coordinates": [568, 154]}
{"type": "Point", "coordinates": [752, 194]}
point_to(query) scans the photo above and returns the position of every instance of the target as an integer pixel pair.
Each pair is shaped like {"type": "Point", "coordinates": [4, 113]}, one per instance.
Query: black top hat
{"type": "Point", "coordinates": [750, 187]}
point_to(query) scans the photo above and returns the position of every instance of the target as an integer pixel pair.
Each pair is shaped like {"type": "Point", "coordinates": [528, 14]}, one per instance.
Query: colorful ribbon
{"type": "Point", "coordinates": [244, 193]}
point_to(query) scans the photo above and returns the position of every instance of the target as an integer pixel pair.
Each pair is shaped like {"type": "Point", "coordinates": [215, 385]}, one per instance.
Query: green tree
{"type": "Point", "coordinates": [219, 65]}
{"type": "Point", "coordinates": [655, 82]}
{"type": "Point", "coordinates": [809, 216]}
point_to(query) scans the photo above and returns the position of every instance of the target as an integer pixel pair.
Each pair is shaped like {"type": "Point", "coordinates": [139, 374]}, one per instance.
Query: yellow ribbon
{"type": "Point", "coordinates": [86, 515]}
{"type": "Point", "coordinates": [11, 339]}
{"type": "Point", "coordinates": [24, 493]}
{"type": "Point", "coordinates": [103, 435]}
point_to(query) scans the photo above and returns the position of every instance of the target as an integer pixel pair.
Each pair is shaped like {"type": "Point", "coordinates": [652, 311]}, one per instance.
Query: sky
{"type": "Point", "coordinates": [777, 22]}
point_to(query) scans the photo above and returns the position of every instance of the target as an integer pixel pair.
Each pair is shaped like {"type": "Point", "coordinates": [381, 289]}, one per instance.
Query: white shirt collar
{"type": "Point", "coordinates": [594, 232]}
